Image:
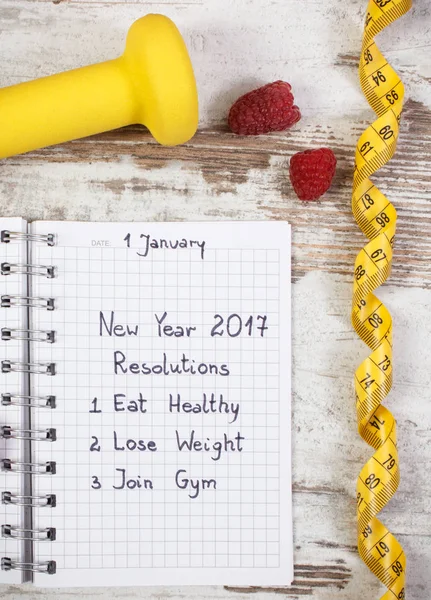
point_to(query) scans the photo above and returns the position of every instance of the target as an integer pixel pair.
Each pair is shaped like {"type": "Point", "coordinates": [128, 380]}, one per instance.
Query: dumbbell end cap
{"type": "Point", "coordinates": [162, 78]}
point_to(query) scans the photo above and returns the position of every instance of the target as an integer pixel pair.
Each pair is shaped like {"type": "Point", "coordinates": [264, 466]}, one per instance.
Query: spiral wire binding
{"type": "Point", "coordinates": [8, 301]}
{"type": "Point", "coordinates": [376, 216]}
{"type": "Point", "coordinates": [32, 401]}
{"type": "Point", "coordinates": [28, 269]}
{"type": "Point", "coordinates": [7, 236]}
{"type": "Point", "coordinates": [48, 534]}
{"type": "Point", "coordinates": [49, 567]}
{"type": "Point", "coordinates": [8, 366]}
{"type": "Point", "coordinates": [31, 435]}
{"type": "Point", "coordinates": [28, 335]}
{"type": "Point", "coordinates": [33, 501]}
{"type": "Point", "coordinates": [39, 402]}
{"type": "Point", "coordinates": [13, 466]}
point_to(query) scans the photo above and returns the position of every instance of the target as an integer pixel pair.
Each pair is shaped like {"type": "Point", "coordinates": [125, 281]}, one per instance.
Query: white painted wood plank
{"type": "Point", "coordinates": [235, 46]}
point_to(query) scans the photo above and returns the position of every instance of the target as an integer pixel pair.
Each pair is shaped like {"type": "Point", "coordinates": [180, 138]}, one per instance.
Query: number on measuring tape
{"type": "Point", "coordinates": [383, 219]}
{"type": "Point", "coordinates": [361, 304]}
{"type": "Point", "coordinates": [392, 97]}
{"type": "Point", "coordinates": [368, 57]}
{"type": "Point", "coordinates": [359, 273]}
{"type": "Point", "coordinates": [367, 201]}
{"type": "Point", "coordinates": [386, 132]}
{"type": "Point", "coordinates": [375, 320]}
{"type": "Point", "coordinates": [379, 77]}
{"type": "Point", "coordinates": [382, 549]}
{"type": "Point", "coordinates": [372, 481]}
{"type": "Point", "coordinates": [385, 363]}
{"type": "Point", "coordinates": [367, 381]}
{"type": "Point", "coordinates": [365, 148]}
{"type": "Point", "coordinates": [377, 423]}
{"type": "Point", "coordinates": [378, 255]}
{"type": "Point", "coordinates": [390, 462]}
{"type": "Point", "coordinates": [397, 568]}
{"type": "Point", "coordinates": [367, 531]}
{"type": "Point", "coordinates": [382, 3]}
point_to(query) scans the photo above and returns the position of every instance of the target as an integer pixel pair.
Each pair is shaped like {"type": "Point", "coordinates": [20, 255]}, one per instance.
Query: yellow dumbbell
{"type": "Point", "coordinates": [152, 83]}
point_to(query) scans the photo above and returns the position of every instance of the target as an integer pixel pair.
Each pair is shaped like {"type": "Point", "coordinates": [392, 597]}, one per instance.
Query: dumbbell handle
{"type": "Point", "coordinates": [66, 106]}
{"type": "Point", "coordinates": [151, 83]}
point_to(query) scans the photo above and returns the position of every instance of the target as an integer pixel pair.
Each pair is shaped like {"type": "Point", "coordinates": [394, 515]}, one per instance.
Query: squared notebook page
{"type": "Point", "coordinates": [132, 508]}
{"type": "Point", "coordinates": [14, 317]}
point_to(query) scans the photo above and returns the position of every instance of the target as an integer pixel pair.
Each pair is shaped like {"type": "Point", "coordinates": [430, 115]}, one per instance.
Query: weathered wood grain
{"type": "Point", "coordinates": [220, 175]}
{"type": "Point", "coordinates": [234, 45]}
{"type": "Point", "coordinates": [125, 175]}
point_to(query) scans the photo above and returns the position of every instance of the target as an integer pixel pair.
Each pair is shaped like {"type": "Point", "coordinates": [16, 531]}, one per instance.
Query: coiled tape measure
{"type": "Point", "coordinates": [376, 216]}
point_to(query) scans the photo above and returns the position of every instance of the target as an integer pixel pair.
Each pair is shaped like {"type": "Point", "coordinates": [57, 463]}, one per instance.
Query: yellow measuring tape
{"type": "Point", "coordinates": [376, 216]}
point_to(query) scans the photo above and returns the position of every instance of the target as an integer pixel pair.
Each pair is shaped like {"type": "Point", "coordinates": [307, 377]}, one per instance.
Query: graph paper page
{"type": "Point", "coordinates": [172, 388]}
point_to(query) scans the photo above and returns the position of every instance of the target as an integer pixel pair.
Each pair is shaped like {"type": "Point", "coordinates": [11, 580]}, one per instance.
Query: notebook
{"type": "Point", "coordinates": [145, 403]}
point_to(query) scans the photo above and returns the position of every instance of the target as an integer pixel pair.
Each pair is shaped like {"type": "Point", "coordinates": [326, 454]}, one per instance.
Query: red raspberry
{"type": "Point", "coordinates": [269, 108]}
{"type": "Point", "coordinates": [311, 172]}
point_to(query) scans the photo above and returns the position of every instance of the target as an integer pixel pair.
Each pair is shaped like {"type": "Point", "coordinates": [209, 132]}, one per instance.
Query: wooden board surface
{"type": "Point", "coordinates": [125, 175]}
